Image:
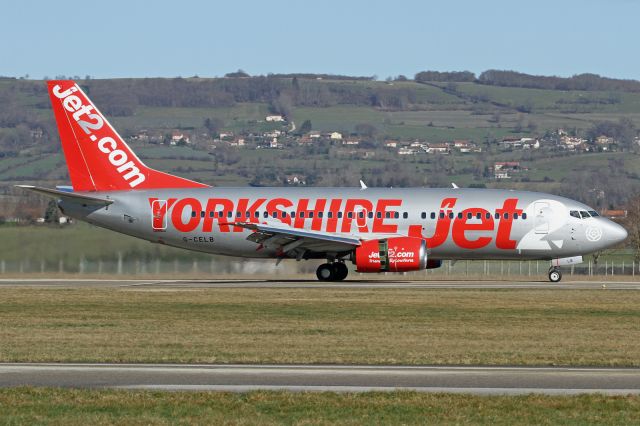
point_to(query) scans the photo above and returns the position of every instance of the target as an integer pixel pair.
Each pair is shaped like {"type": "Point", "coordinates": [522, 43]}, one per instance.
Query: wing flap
{"type": "Point", "coordinates": [279, 236]}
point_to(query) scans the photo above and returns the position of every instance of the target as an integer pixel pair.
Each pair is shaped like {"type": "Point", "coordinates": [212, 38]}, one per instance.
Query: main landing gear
{"type": "Point", "coordinates": [336, 271]}
{"type": "Point", "coordinates": [554, 274]}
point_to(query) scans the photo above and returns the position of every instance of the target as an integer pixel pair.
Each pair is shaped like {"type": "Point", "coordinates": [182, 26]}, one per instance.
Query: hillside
{"type": "Point", "coordinates": [149, 112]}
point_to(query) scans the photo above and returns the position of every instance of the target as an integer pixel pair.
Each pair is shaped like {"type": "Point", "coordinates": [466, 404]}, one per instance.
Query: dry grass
{"type": "Point", "coordinates": [97, 407]}
{"type": "Point", "coordinates": [396, 326]}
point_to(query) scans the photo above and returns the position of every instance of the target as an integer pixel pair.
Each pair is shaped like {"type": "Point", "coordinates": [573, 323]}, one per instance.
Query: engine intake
{"type": "Point", "coordinates": [398, 254]}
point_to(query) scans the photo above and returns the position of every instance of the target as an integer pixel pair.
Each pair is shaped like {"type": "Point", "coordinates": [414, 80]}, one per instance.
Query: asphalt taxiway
{"type": "Point", "coordinates": [242, 378]}
{"type": "Point", "coordinates": [291, 283]}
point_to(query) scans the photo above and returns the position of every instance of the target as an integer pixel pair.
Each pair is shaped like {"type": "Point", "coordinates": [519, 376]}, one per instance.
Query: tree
{"type": "Point", "coordinates": [52, 214]}
{"type": "Point", "coordinates": [366, 129]}
{"type": "Point", "coordinates": [213, 125]}
{"type": "Point", "coordinates": [305, 127]}
{"type": "Point", "coordinates": [239, 73]}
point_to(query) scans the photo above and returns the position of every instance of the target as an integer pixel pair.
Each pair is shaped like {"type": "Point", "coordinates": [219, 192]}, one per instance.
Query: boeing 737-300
{"type": "Point", "coordinates": [377, 229]}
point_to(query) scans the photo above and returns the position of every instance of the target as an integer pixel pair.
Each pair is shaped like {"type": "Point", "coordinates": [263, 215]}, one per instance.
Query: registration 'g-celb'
{"type": "Point", "coordinates": [377, 229]}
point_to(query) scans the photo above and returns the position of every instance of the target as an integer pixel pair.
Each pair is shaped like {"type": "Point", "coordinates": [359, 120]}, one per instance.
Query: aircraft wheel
{"type": "Point", "coordinates": [326, 272]}
{"type": "Point", "coordinates": [341, 271]}
{"type": "Point", "coordinates": [555, 275]}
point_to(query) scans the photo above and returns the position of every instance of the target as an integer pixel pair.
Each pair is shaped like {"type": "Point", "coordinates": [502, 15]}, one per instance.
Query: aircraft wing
{"type": "Point", "coordinates": [288, 239]}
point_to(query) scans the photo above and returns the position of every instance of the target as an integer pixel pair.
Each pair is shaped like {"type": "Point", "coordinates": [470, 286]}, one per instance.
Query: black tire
{"type": "Point", "coordinates": [341, 271]}
{"type": "Point", "coordinates": [555, 275]}
{"type": "Point", "coordinates": [326, 272]}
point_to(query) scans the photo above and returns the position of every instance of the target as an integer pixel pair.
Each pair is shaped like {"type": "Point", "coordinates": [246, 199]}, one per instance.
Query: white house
{"type": "Point", "coordinates": [335, 136]}
{"type": "Point", "coordinates": [274, 118]}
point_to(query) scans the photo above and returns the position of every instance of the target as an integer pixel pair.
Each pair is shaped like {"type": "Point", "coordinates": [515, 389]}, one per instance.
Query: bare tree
{"type": "Point", "coordinates": [632, 223]}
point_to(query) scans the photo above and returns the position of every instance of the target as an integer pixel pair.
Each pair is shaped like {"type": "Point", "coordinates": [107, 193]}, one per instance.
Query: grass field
{"type": "Point", "coordinates": [341, 326]}
{"type": "Point", "coordinates": [101, 407]}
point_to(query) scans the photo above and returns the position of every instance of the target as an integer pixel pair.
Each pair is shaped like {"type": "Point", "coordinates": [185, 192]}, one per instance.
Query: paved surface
{"type": "Point", "coordinates": [241, 378]}
{"type": "Point", "coordinates": [351, 284]}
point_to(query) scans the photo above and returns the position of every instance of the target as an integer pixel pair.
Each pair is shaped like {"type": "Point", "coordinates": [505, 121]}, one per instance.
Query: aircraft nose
{"type": "Point", "coordinates": [615, 233]}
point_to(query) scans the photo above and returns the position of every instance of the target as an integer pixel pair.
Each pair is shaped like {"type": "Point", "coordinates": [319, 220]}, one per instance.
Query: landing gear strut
{"type": "Point", "coordinates": [554, 274]}
{"type": "Point", "coordinates": [336, 271]}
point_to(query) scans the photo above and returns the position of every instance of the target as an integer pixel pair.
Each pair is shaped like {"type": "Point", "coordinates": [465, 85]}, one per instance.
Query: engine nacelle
{"type": "Point", "coordinates": [398, 254]}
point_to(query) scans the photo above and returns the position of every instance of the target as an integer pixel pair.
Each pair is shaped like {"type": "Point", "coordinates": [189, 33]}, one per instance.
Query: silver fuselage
{"type": "Point", "coordinates": [457, 223]}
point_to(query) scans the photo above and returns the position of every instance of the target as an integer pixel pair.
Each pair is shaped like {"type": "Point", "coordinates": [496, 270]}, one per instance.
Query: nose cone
{"type": "Point", "coordinates": [615, 233]}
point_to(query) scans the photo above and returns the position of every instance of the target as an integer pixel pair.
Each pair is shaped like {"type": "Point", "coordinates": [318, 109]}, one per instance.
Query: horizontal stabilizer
{"type": "Point", "coordinates": [69, 196]}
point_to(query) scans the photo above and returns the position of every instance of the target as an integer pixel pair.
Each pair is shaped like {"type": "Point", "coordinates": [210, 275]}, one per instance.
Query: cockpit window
{"type": "Point", "coordinates": [574, 213]}
{"type": "Point", "coordinates": [584, 214]}
{"type": "Point", "coordinates": [593, 213]}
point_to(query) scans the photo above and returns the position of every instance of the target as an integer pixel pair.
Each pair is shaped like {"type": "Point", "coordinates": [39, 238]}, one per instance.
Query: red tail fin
{"type": "Point", "coordinates": [97, 157]}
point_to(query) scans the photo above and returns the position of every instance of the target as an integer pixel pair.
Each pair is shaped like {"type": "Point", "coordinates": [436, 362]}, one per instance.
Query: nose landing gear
{"type": "Point", "coordinates": [336, 271]}
{"type": "Point", "coordinates": [554, 274]}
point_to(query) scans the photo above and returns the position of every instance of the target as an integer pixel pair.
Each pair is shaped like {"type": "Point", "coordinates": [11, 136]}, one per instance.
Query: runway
{"type": "Point", "coordinates": [311, 284]}
{"type": "Point", "coordinates": [242, 378]}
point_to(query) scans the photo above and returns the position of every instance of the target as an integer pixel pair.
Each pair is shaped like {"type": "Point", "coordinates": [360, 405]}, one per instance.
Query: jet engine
{"type": "Point", "coordinates": [397, 254]}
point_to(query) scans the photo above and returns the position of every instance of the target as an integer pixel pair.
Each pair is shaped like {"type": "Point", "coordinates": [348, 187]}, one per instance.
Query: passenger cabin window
{"type": "Point", "coordinates": [396, 215]}
{"type": "Point", "coordinates": [379, 215]}
{"type": "Point", "coordinates": [515, 215]}
{"type": "Point", "coordinates": [311, 215]}
{"type": "Point", "coordinates": [320, 214]}
{"type": "Point", "coordinates": [433, 215]}
{"type": "Point", "coordinates": [350, 215]}
{"type": "Point", "coordinates": [478, 215]}
{"type": "Point", "coordinates": [441, 215]}
{"type": "Point", "coordinates": [469, 215]}
{"type": "Point", "coordinates": [451, 215]}
{"type": "Point", "coordinates": [329, 215]}
{"type": "Point", "coordinates": [423, 215]}
{"type": "Point", "coordinates": [202, 213]}
{"type": "Point", "coordinates": [387, 215]}
{"type": "Point", "coordinates": [229, 214]}
{"type": "Point", "coordinates": [265, 215]}
{"type": "Point", "coordinates": [488, 215]}
{"type": "Point", "coordinates": [339, 215]}
{"type": "Point", "coordinates": [497, 216]}
{"type": "Point", "coordinates": [460, 215]}
{"type": "Point", "coordinates": [405, 215]}
{"type": "Point", "coordinates": [524, 216]}
{"type": "Point", "coordinates": [370, 215]}
{"type": "Point", "coordinates": [193, 213]}
{"type": "Point", "coordinates": [574, 213]}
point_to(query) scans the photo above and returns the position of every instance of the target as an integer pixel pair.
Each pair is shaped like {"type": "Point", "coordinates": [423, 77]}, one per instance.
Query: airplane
{"type": "Point", "coordinates": [376, 229]}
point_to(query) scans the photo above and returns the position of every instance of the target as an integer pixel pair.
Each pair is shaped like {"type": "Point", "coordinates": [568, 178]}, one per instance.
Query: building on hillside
{"type": "Point", "coordinates": [295, 180]}
{"type": "Point", "coordinates": [178, 136]}
{"type": "Point", "coordinates": [605, 142]}
{"type": "Point", "coordinates": [504, 169]}
{"type": "Point", "coordinates": [520, 143]}
{"type": "Point", "coordinates": [274, 118]}
{"type": "Point", "coordinates": [572, 143]}
{"type": "Point", "coordinates": [350, 141]}
{"type": "Point", "coordinates": [465, 146]}
{"type": "Point", "coordinates": [390, 143]}
{"type": "Point", "coordinates": [614, 214]}
{"type": "Point", "coordinates": [335, 136]}
{"type": "Point", "coordinates": [314, 134]}
{"type": "Point", "coordinates": [438, 148]}
{"type": "Point", "coordinates": [407, 151]}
